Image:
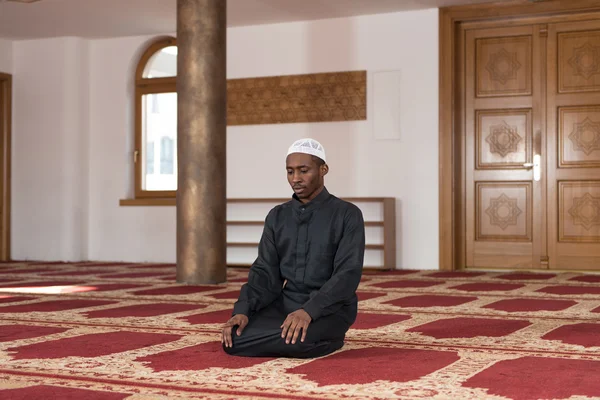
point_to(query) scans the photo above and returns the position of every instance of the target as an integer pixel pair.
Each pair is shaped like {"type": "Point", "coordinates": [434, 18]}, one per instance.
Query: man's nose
{"type": "Point", "coordinates": [296, 177]}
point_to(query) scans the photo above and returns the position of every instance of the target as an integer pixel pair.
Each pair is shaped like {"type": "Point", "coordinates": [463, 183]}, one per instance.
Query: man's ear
{"type": "Point", "coordinates": [324, 169]}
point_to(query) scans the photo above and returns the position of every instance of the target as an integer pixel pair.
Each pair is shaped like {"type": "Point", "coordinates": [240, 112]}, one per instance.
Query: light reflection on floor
{"type": "Point", "coordinates": [48, 289]}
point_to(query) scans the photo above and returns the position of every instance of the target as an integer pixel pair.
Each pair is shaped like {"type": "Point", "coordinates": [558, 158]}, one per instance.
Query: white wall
{"type": "Point", "coordinates": [120, 233]}
{"type": "Point", "coordinates": [360, 164]}
{"type": "Point", "coordinates": [6, 56]}
{"type": "Point", "coordinates": [50, 142]}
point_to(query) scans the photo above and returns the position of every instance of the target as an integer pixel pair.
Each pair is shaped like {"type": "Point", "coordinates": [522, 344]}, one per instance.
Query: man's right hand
{"type": "Point", "coordinates": [241, 321]}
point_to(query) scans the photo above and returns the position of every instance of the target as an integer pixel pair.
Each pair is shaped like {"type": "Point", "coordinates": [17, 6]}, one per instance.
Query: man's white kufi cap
{"type": "Point", "coordinates": [308, 146]}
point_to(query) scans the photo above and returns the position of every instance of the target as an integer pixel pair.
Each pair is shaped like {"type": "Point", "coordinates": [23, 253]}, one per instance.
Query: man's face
{"type": "Point", "coordinates": [304, 175]}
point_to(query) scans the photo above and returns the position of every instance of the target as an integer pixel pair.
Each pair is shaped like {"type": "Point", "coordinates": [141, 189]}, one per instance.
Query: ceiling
{"type": "Point", "coordinates": [23, 19]}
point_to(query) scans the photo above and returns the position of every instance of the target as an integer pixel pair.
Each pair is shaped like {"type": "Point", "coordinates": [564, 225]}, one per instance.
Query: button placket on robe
{"type": "Point", "coordinates": [302, 243]}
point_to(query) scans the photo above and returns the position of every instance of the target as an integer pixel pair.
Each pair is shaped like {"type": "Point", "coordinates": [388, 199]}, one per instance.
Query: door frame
{"type": "Point", "coordinates": [452, 227]}
{"type": "Point", "coordinates": [5, 160]}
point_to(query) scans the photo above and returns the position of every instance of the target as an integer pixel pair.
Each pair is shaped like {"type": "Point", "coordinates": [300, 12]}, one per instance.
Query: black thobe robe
{"type": "Point", "coordinates": [317, 250]}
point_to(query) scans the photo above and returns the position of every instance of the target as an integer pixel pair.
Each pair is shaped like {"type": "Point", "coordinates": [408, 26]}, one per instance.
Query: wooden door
{"type": "Point", "coordinates": [503, 118]}
{"type": "Point", "coordinates": [573, 131]}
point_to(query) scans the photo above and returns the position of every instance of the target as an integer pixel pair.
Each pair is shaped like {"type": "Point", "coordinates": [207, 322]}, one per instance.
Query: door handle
{"type": "Point", "coordinates": [536, 165]}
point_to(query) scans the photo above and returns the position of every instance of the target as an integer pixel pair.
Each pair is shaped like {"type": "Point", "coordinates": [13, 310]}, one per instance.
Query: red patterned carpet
{"type": "Point", "coordinates": [126, 331]}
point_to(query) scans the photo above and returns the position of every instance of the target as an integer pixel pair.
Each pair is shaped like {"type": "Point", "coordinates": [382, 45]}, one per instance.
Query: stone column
{"type": "Point", "coordinates": [201, 113]}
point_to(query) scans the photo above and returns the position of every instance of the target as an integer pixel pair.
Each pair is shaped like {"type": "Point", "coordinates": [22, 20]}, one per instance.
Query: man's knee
{"type": "Point", "coordinates": [236, 345]}
{"type": "Point", "coordinates": [237, 348]}
{"type": "Point", "coordinates": [309, 348]}
{"type": "Point", "coordinates": [227, 349]}
{"type": "Point", "coordinates": [235, 351]}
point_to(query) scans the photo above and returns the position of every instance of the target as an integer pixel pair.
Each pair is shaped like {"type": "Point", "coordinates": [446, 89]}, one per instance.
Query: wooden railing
{"type": "Point", "coordinates": [245, 220]}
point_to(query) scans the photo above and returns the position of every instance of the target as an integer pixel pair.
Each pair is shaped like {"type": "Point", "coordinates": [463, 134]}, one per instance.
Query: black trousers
{"type": "Point", "coordinates": [262, 335]}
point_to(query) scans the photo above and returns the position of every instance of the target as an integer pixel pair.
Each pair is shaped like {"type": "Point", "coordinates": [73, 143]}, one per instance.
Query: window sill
{"type": "Point", "coordinates": [156, 201]}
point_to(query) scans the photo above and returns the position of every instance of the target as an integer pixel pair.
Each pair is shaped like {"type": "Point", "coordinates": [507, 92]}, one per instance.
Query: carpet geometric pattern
{"type": "Point", "coordinates": [128, 331]}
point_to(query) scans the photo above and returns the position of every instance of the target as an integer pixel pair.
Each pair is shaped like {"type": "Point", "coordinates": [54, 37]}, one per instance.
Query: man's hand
{"type": "Point", "coordinates": [296, 321]}
{"type": "Point", "coordinates": [241, 321]}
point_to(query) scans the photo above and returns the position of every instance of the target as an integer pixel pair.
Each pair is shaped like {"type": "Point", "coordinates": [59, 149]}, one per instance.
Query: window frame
{"type": "Point", "coordinates": [145, 86]}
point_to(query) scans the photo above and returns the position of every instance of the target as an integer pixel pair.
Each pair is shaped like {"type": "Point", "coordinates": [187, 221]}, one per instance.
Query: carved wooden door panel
{"type": "Point", "coordinates": [573, 130]}
{"type": "Point", "coordinates": [502, 124]}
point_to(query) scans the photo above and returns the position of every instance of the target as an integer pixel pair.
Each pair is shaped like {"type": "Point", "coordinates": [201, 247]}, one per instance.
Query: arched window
{"type": "Point", "coordinates": [155, 153]}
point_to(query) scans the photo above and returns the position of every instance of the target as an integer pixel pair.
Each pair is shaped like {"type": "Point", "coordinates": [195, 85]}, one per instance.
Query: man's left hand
{"type": "Point", "coordinates": [296, 321]}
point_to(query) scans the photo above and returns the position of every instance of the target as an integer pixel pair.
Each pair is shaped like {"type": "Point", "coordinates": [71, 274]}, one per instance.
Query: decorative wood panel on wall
{"type": "Point", "coordinates": [579, 211]}
{"type": "Point", "coordinates": [503, 211]}
{"type": "Point", "coordinates": [579, 61]}
{"type": "Point", "coordinates": [503, 66]}
{"type": "Point", "coordinates": [324, 97]}
{"type": "Point", "coordinates": [579, 135]}
{"type": "Point", "coordinates": [503, 138]}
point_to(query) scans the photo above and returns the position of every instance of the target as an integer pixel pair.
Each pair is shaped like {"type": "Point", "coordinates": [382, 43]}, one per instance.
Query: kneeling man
{"type": "Point", "coordinates": [300, 298]}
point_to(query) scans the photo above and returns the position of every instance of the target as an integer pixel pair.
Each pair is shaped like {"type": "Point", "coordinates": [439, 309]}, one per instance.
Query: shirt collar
{"type": "Point", "coordinates": [321, 197]}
